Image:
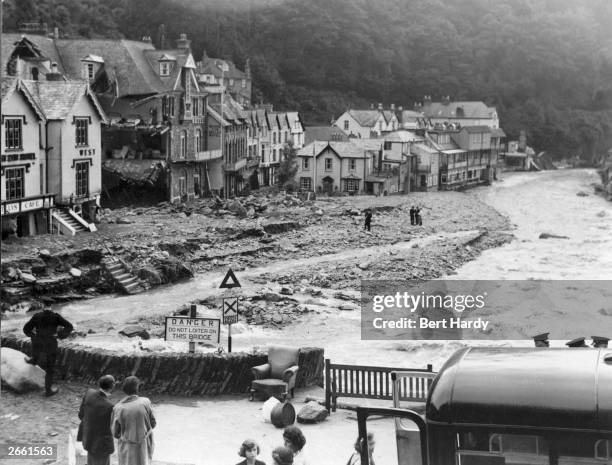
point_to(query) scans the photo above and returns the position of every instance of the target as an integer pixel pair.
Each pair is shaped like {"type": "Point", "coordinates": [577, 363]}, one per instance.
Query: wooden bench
{"type": "Point", "coordinates": [374, 383]}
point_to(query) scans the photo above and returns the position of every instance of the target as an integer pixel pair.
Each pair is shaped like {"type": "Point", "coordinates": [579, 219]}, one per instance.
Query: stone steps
{"type": "Point", "coordinates": [126, 281]}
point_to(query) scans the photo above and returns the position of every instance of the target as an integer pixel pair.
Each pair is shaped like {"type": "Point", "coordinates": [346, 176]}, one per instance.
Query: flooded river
{"type": "Point", "coordinates": [536, 203]}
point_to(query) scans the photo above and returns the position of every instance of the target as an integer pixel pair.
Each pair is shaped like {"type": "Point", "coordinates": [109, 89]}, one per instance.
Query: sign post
{"type": "Point", "coordinates": [191, 329]}
{"type": "Point", "coordinates": [230, 305]}
{"type": "Point", "coordinates": [192, 314]}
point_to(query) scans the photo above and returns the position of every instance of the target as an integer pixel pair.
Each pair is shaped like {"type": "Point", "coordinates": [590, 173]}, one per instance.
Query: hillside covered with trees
{"type": "Point", "coordinates": [545, 64]}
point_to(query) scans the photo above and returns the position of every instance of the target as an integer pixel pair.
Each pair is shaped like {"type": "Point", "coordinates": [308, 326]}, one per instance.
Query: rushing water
{"type": "Point", "coordinates": [534, 202]}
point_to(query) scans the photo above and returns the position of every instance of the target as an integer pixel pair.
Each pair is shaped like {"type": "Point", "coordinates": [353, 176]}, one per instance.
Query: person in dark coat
{"type": "Point", "coordinates": [368, 219]}
{"type": "Point", "coordinates": [95, 414]}
{"type": "Point", "coordinates": [412, 215]}
{"type": "Point", "coordinates": [44, 328]}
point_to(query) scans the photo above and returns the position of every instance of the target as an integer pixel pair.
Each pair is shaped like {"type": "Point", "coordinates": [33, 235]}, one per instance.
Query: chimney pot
{"type": "Point", "coordinates": [380, 106]}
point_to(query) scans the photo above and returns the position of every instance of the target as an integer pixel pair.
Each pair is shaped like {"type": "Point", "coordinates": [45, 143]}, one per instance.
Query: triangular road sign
{"type": "Point", "coordinates": [229, 281]}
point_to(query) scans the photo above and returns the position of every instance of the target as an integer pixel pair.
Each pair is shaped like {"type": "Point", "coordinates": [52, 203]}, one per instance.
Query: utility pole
{"type": "Point", "coordinates": [223, 67]}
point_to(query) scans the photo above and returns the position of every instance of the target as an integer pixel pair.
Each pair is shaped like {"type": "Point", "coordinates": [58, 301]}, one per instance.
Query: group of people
{"type": "Point", "coordinates": [415, 217]}
{"type": "Point", "coordinates": [541, 340]}
{"type": "Point", "coordinates": [130, 421]}
{"type": "Point", "coordinates": [292, 453]}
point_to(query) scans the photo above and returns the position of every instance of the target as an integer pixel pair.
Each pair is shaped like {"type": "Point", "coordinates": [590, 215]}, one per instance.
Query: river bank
{"type": "Point", "coordinates": [167, 244]}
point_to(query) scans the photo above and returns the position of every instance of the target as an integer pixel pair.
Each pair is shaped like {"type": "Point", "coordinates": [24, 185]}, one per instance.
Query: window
{"type": "Point", "coordinates": [244, 83]}
{"type": "Point", "coordinates": [35, 74]}
{"type": "Point", "coordinates": [352, 164]}
{"type": "Point", "coordinates": [168, 106]}
{"type": "Point", "coordinates": [346, 125]}
{"type": "Point", "coordinates": [198, 140]}
{"type": "Point", "coordinates": [514, 448]}
{"type": "Point", "coordinates": [351, 185]}
{"type": "Point", "coordinates": [387, 145]}
{"type": "Point", "coordinates": [164, 68]}
{"type": "Point", "coordinates": [82, 125]}
{"type": "Point", "coordinates": [274, 155]}
{"type": "Point", "coordinates": [12, 133]}
{"type": "Point", "coordinates": [274, 137]}
{"type": "Point", "coordinates": [328, 164]}
{"type": "Point", "coordinates": [82, 178]}
{"type": "Point", "coordinates": [14, 183]}
{"type": "Point", "coordinates": [231, 82]}
{"type": "Point", "coordinates": [305, 164]}
{"type": "Point", "coordinates": [90, 71]}
{"type": "Point", "coordinates": [305, 184]}
{"type": "Point", "coordinates": [286, 136]}
{"type": "Point", "coordinates": [183, 144]}
{"type": "Point", "coordinates": [196, 106]}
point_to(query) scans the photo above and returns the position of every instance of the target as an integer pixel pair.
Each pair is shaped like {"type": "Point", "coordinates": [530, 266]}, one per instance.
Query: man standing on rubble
{"type": "Point", "coordinates": [44, 328]}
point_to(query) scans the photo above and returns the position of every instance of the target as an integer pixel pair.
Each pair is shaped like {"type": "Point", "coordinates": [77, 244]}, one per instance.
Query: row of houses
{"type": "Point", "coordinates": [163, 120]}
{"type": "Point", "coordinates": [402, 161]}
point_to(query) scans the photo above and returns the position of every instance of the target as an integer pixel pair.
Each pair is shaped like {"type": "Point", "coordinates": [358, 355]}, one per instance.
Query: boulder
{"type": "Point", "coordinates": [582, 194]}
{"type": "Point", "coordinates": [552, 236]}
{"type": "Point", "coordinates": [312, 412]}
{"type": "Point", "coordinates": [27, 278]}
{"type": "Point", "coordinates": [18, 375]}
{"type": "Point", "coordinates": [347, 307]}
{"type": "Point", "coordinates": [44, 253]}
{"type": "Point", "coordinates": [75, 272]}
{"type": "Point", "coordinates": [135, 330]}
{"type": "Point", "coordinates": [237, 208]}
{"type": "Point", "coordinates": [150, 275]}
{"type": "Point", "coordinates": [286, 291]}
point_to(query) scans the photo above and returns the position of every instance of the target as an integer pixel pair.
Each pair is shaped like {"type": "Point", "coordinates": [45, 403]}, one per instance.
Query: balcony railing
{"type": "Point", "coordinates": [253, 161]}
{"type": "Point", "coordinates": [236, 166]}
{"type": "Point", "coordinates": [24, 204]}
{"type": "Point", "coordinates": [207, 155]}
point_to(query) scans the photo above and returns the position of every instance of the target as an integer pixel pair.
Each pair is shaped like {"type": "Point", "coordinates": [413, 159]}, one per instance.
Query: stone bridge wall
{"type": "Point", "coordinates": [172, 373]}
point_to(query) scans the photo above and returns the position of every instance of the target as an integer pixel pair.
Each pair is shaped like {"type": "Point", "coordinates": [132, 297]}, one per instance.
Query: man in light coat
{"type": "Point", "coordinates": [95, 414]}
{"type": "Point", "coordinates": [132, 426]}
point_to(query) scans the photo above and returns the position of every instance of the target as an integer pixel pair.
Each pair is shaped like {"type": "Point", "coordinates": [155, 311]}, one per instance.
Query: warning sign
{"type": "Point", "coordinates": [183, 329]}
{"type": "Point", "coordinates": [229, 281]}
{"type": "Point", "coordinates": [230, 311]}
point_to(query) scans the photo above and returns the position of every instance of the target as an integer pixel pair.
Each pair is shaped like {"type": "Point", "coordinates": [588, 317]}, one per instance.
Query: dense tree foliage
{"type": "Point", "coordinates": [545, 64]}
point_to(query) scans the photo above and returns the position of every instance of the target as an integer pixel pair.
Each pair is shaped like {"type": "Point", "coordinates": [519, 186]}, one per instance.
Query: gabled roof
{"type": "Point", "coordinates": [367, 118]}
{"type": "Point", "coordinates": [11, 85]}
{"type": "Point", "coordinates": [94, 58]}
{"type": "Point", "coordinates": [470, 110]}
{"type": "Point", "coordinates": [232, 111]}
{"type": "Point", "coordinates": [125, 62]}
{"type": "Point", "coordinates": [39, 44]}
{"type": "Point", "coordinates": [368, 144]}
{"type": "Point", "coordinates": [282, 120]}
{"type": "Point", "coordinates": [323, 133]}
{"type": "Point", "coordinates": [215, 114]}
{"type": "Point", "coordinates": [58, 98]}
{"type": "Point", "coordinates": [342, 149]}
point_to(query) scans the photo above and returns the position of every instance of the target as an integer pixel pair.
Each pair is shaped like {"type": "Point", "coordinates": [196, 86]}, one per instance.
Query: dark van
{"type": "Point", "coordinates": [496, 406]}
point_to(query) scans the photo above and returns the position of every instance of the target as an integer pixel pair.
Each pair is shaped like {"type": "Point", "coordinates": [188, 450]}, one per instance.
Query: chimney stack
{"type": "Point", "coordinates": [147, 39]}
{"type": "Point", "coordinates": [56, 33]}
{"type": "Point", "coordinates": [183, 43]}
{"type": "Point", "coordinates": [427, 100]}
{"type": "Point", "coordinates": [400, 108]}
{"type": "Point", "coordinates": [393, 107]}
{"type": "Point", "coordinates": [371, 106]}
{"type": "Point", "coordinates": [54, 75]}
{"type": "Point", "coordinates": [446, 100]}
{"type": "Point", "coordinates": [380, 107]}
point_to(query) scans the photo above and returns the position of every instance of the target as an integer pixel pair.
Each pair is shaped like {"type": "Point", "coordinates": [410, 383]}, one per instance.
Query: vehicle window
{"type": "Point", "coordinates": [481, 447]}
{"type": "Point", "coordinates": [581, 451]}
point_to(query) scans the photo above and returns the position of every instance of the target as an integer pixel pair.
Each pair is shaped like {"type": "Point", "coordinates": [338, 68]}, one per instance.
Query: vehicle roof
{"type": "Point", "coordinates": [531, 387]}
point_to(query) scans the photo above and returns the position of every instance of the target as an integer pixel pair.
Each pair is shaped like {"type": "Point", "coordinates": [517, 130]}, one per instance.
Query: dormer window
{"type": "Point", "coordinates": [166, 63]}
{"type": "Point", "coordinates": [91, 64]}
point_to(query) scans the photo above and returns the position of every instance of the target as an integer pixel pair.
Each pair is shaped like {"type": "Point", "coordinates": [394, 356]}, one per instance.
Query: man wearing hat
{"type": "Point", "coordinates": [578, 342]}
{"type": "Point", "coordinates": [541, 340]}
{"type": "Point", "coordinates": [44, 328]}
{"type": "Point", "coordinates": [95, 429]}
{"type": "Point", "coordinates": [600, 342]}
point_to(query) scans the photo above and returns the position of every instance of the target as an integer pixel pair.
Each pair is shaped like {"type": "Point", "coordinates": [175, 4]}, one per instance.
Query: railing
{"type": "Point", "coordinates": [253, 161]}
{"type": "Point", "coordinates": [236, 166]}
{"type": "Point", "coordinates": [373, 383]}
{"type": "Point", "coordinates": [207, 155]}
{"type": "Point", "coordinates": [33, 202]}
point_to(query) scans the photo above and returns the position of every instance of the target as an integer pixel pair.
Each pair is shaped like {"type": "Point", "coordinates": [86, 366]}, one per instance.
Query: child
{"type": "Point", "coordinates": [249, 450]}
